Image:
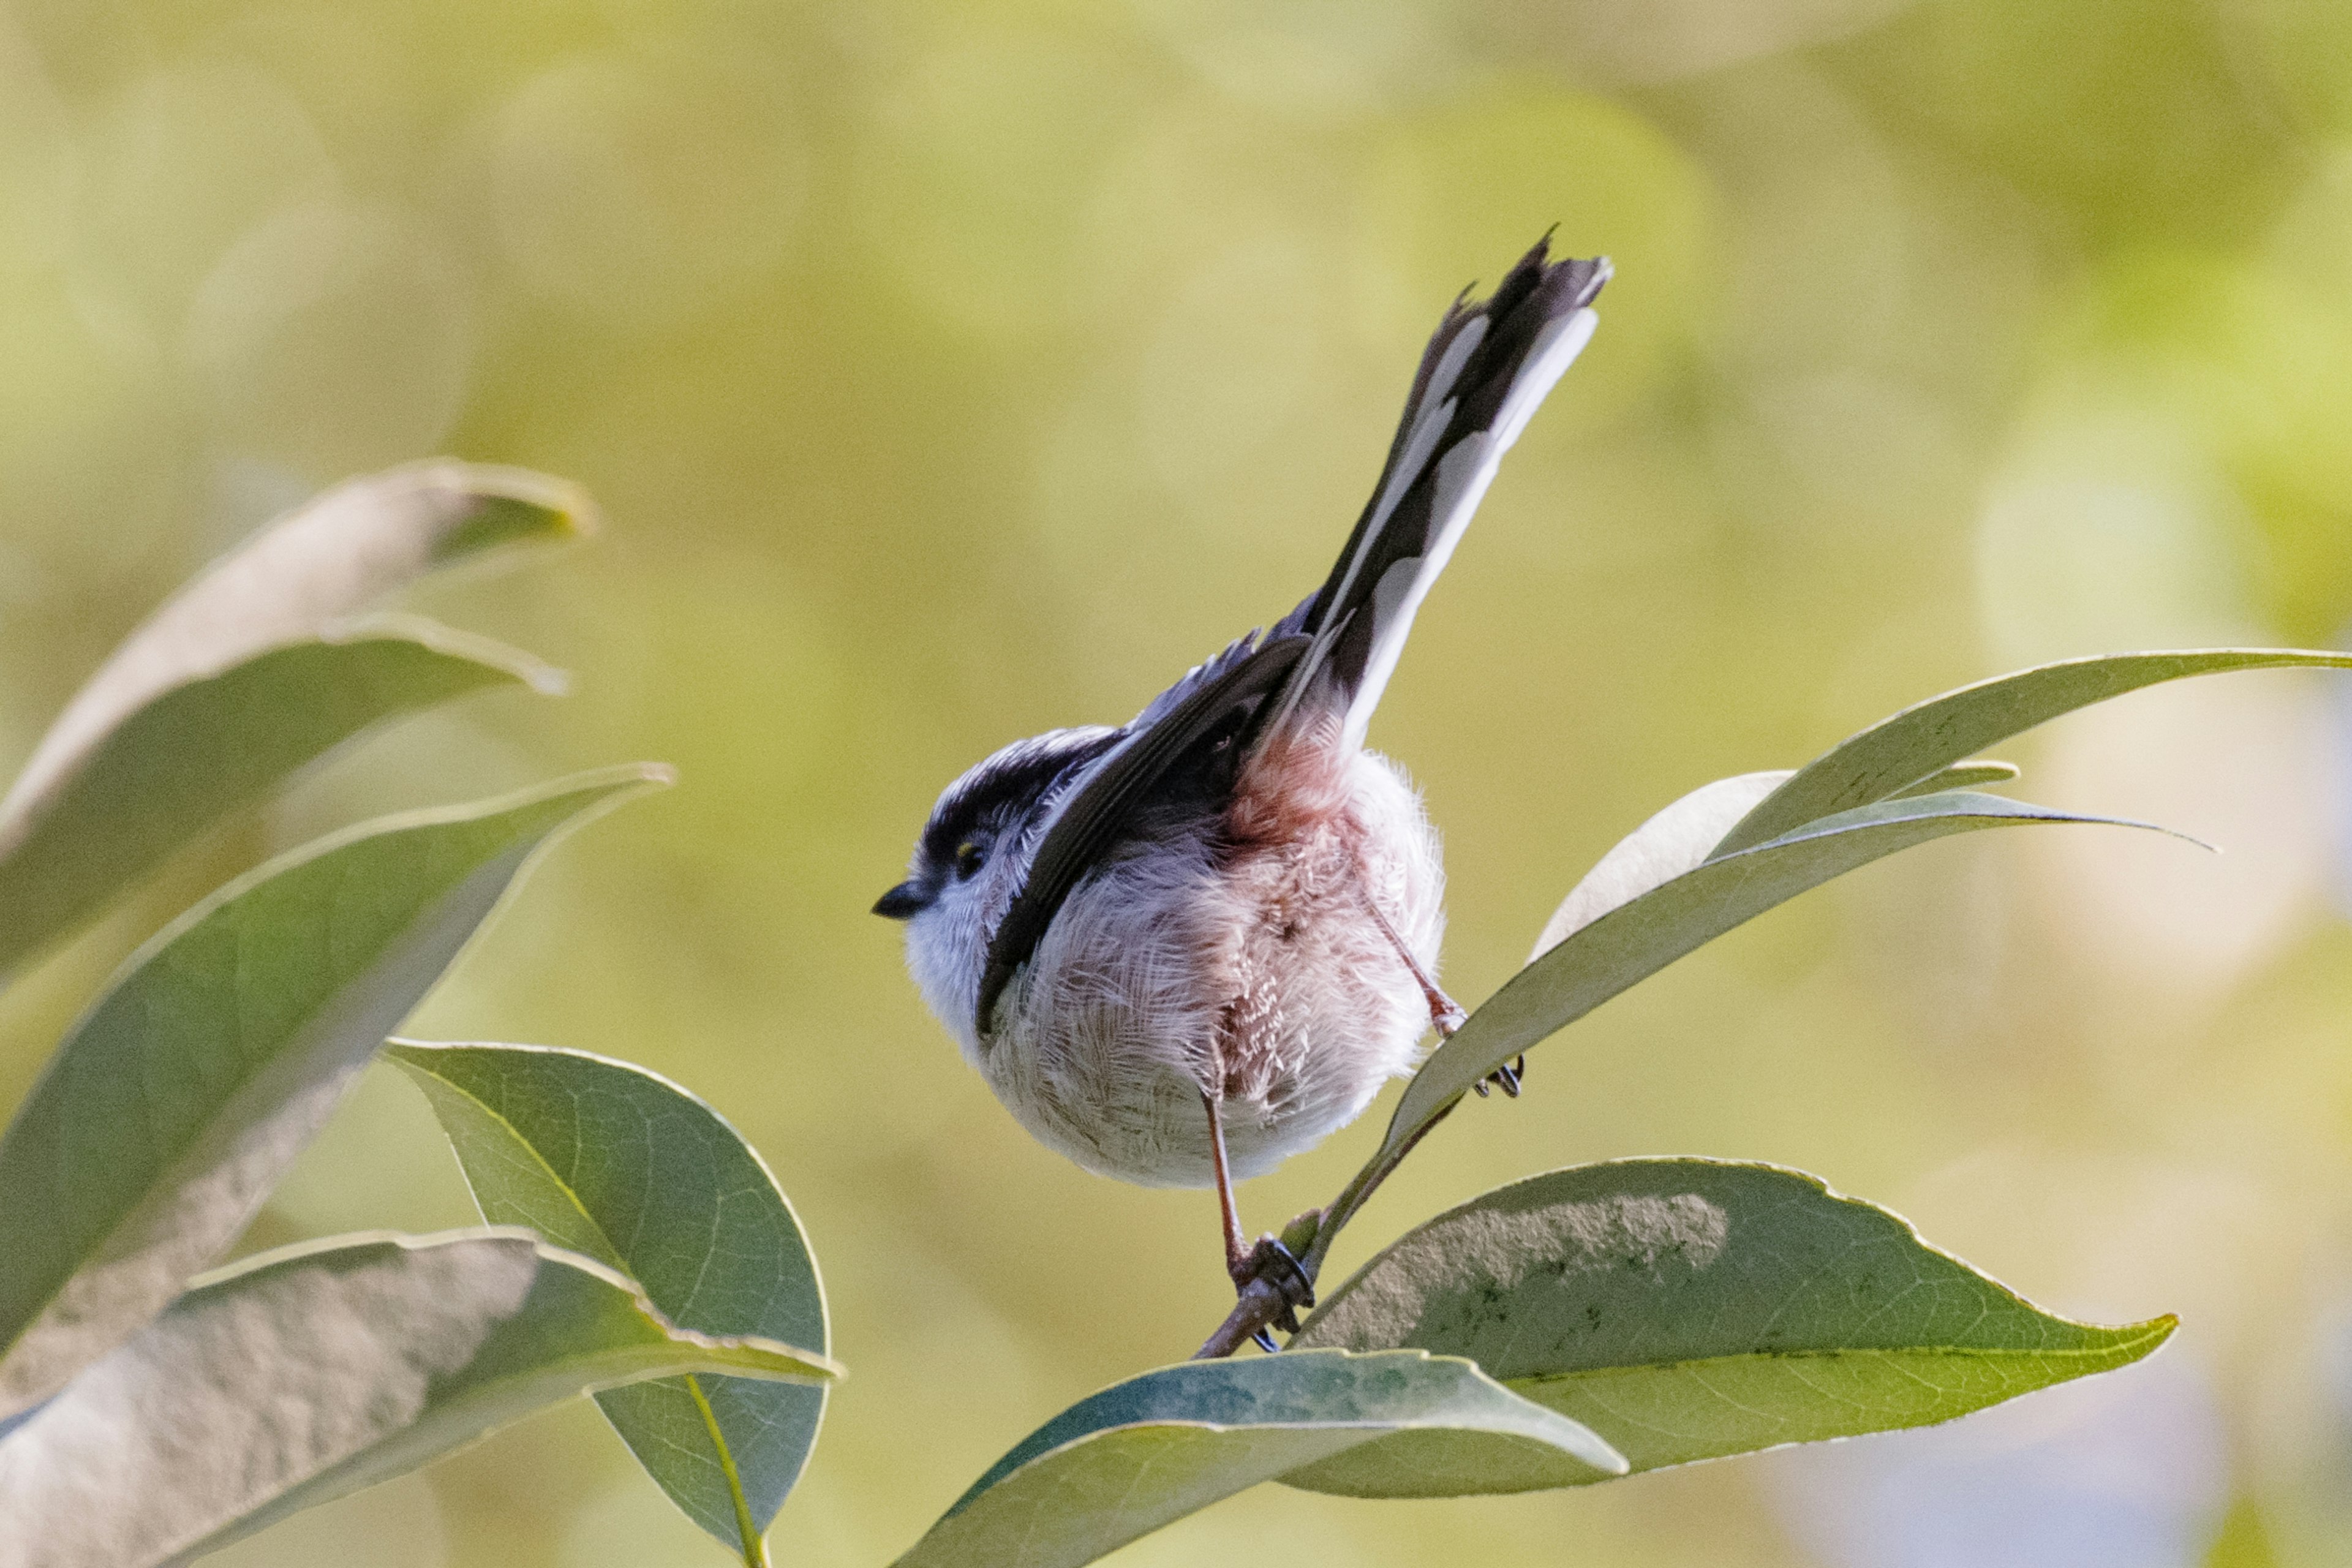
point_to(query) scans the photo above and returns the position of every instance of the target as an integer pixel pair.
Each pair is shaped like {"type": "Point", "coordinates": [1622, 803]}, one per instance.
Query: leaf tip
{"type": "Point", "coordinates": [605, 789]}
{"type": "Point", "coordinates": [621, 780]}
{"type": "Point", "coordinates": [1603, 1456]}
{"type": "Point", "coordinates": [507, 506]}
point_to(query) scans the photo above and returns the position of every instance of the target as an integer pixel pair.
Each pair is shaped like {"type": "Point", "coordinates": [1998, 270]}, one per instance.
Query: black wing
{"type": "Point", "coordinates": [1220, 701]}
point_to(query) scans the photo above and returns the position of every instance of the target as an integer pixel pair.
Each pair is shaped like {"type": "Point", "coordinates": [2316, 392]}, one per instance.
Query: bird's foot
{"type": "Point", "coordinates": [1507, 1078]}
{"type": "Point", "coordinates": [1445, 1014]}
{"type": "Point", "coordinates": [1273, 1263]}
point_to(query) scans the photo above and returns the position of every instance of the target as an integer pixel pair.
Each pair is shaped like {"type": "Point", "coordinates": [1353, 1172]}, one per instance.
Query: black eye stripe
{"type": "Point", "coordinates": [989, 796]}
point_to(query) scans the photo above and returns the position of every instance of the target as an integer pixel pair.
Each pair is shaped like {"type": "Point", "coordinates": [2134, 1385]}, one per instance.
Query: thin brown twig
{"type": "Point", "coordinates": [1260, 1304]}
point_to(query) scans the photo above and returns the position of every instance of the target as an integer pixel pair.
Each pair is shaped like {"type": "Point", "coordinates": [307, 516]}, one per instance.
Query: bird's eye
{"type": "Point", "coordinates": [969, 856]}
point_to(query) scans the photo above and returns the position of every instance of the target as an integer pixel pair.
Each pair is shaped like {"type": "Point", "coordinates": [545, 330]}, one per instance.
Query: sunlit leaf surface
{"type": "Point", "coordinates": [1688, 1310]}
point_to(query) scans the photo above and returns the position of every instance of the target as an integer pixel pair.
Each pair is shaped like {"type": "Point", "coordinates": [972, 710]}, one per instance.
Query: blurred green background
{"type": "Point", "coordinates": [951, 372]}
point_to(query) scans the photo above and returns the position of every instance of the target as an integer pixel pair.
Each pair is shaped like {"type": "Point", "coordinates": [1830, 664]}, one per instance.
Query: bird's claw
{"type": "Point", "coordinates": [1273, 1262]}
{"type": "Point", "coordinates": [1507, 1078]}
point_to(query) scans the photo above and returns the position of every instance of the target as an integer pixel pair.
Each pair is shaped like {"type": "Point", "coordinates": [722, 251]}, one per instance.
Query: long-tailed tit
{"type": "Point", "coordinates": [1182, 950]}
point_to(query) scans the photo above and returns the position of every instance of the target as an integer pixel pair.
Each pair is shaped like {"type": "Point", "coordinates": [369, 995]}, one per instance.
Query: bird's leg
{"type": "Point", "coordinates": [1237, 1253]}
{"type": "Point", "coordinates": [1269, 1258]}
{"type": "Point", "coordinates": [1445, 1014]}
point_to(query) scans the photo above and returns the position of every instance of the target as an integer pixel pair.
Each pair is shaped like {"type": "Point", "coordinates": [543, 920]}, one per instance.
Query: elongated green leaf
{"type": "Point", "coordinates": [190, 718]}
{"type": "Point", "coordinates": [202, 751]}
{"type": "Point", "coordinates": [1140, 1454]}
{"type": "Point", "coordinates": [1684, 835]}
{"type": "Point", "coordinates": [1687, 1309]}
{"type": "Point", "coordinates": [1611, 951]}
{"type": "Point", "coordinates": [1961, 775]}
{"type": "Point", "coordinates": [1671, 842]}
{"type": "Point", "coordinates": [1896, 753]}
{"type": "Point", "coordinates": [182, 1095]}
{"type": "Point", "coordinates": [299, 1376]}
{"type": "Point", "coordinates": [610, 1160]}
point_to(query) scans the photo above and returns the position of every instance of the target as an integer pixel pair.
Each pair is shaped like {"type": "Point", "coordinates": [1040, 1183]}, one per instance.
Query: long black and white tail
{"type": "Point", "coordinates": [1482, 375]}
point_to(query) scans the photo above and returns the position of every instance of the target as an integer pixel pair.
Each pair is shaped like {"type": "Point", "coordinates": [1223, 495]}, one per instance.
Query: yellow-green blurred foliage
{"type": "Point", "coordinates": [950, 372]}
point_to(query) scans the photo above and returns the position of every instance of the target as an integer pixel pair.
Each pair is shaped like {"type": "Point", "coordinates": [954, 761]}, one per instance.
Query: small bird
{"type": "Point", "coordinates": [1184, 949]}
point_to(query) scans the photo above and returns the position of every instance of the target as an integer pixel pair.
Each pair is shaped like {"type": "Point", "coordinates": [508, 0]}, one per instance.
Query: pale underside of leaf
{"type": "Point", "coordinates": [1684, 835]}
{"type": "Point", "coordinates": [1675, 840]}
{"type": "Point", "coordinates": [612, 1160]}
{"type": "Point", "coordinates": [1149, 1451]}
{"type": "Point", "coordinates": [304, 1374]}
{"type": "Point", "coordinates": [1689, 1310]}
{"type": "Point", "coordinates": [1641, 936]}
{"type": "Point", "coordinates": [1898, 752]}
{"type": "Point", "coordinates": [177, 1101]}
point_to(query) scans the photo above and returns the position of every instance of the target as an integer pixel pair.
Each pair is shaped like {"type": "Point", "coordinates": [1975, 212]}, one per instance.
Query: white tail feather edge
{"type": "Point", "coordinates": [1463, 475]}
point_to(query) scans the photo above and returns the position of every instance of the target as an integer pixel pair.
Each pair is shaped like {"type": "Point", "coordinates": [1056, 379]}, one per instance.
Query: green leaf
{"type": "Point", "coordinates": [618, 1163]}
{"type": "Point", "coordinates": [196, 754]}
{"type": "Point", "coordinates": [1896, 753]}
{"type": "Point", "coordinates": [1610, 951]}
{"type": "Point", "coordinates": [1140, 1454]}
{"type": "Point", "coordinates": [1674, 840]}
{"type": "Point", "coordinates": [1961, 775]}
{"type": "Point", "coordinates": [1687, 1309]}
{"type": "Point", "coordinates": [181, 1095]}
{"type": "Point", "coordinates": [127, 799]}
{"type": "Point", "coordinates": [304, 1374]}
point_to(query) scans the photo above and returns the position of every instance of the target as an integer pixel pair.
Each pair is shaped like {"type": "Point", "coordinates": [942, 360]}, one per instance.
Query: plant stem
{"type": "Point", "coordinates": [1360, 1189]}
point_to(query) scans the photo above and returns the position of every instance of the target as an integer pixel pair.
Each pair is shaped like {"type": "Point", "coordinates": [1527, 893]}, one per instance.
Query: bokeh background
{"type": "Point", "coordinates": [949, 371]}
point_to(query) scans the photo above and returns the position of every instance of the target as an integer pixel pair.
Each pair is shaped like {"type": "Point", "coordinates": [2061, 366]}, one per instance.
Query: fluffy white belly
{"type": "Point", "coordinates": [1266, 980]}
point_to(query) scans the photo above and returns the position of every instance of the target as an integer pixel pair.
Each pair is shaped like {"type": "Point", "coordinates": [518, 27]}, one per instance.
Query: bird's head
{"type": "Point", "coordinates": [970, 860]}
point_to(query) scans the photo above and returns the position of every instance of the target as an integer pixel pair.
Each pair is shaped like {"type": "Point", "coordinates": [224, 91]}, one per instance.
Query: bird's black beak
{"type": "Point", "coordinates": [900, 903]}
